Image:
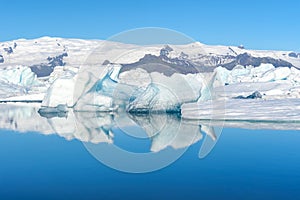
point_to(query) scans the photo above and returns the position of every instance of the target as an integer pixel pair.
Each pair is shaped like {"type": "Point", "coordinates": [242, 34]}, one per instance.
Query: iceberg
{"type": "Point", "coordinates": [99, 97]}
{"type": "Point", "coordinates": [19, 81]}
{"type": "Point", "coordinates": [61, 91]}
{"type": "Point", "coordinates": [262, 73]}
{"type": "Point", "coordinates": [19, 75]}
{"type": "Point", "coordinates": [134, 90]}
{"type": "Point", "coordinates": [139, 91]}
{"type": "Point", "coordinates": [167, 94]}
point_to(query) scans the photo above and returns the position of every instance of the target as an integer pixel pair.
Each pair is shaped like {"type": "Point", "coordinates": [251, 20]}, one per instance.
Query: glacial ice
{"type": "Point", "coordinates": [20, 75]}
{"type": "Point", "coordinates": [137, 91]}
{"type": "Point", "coordinates": [19, 81]}
{"type": "Point", "coordinates": [278, 89]}
{"type": "Point", "coordinates": [263, 73]}
{"type": "Point", "coordinates": [98, 95]}
{"type": "Point", "coordinates": [107, 88]}
{"type": "Point", "coordinates": [167, 93]}
{"type": "Point", "coordinates": [61, 91]}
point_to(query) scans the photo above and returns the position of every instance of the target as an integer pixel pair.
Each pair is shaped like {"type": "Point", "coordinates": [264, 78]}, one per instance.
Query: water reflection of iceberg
{"type": "Point", "coordinates": [95, 127]}
{"type": "Point", "coordinates": [168, 130]}
{"type": "Point", "coordinates": [85, 127]}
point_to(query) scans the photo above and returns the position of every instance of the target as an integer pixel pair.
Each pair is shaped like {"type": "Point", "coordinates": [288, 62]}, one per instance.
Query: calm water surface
{"type": "Point", "coordinates": [243, 164]}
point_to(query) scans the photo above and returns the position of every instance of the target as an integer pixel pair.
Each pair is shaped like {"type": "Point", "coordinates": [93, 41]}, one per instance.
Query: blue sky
{"type": "Point", "coordinates": [256, 24]}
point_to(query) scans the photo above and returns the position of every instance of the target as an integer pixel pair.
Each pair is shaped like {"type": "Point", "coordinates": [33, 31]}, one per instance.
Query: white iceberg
{"type": "Point", "coordinates": [61, 91]}
{"type": "Point", "coordinates": [19, 75]}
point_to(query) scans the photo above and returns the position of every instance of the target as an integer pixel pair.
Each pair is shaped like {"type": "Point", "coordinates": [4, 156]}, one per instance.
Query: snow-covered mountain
{"type": "Point", "coordinates": [44, 54]}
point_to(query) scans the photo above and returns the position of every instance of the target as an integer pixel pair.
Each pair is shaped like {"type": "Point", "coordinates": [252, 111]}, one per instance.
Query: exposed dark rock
{"type": "Point", "coordinates": [165, 51]}
{"type": "Point", "coordinates": [1, 59]}
{"type": "Point", "coordinates": [8, 50]}
{"type": "Point", "coordinates": [41, 70]}
{"type": "Point", "coordinates": [45, 69]}
{"type": "Point", "coordinates": [201, 63]}
{"type": "Point", "coordinates": [293, 55]}
{"type": "Point", "coordinates": [213, 60]}
{"type": "Point", "coordinates": [57, 60]}
{"type": "Point", "coordinates": [246, 59]}
{"type": "Point", "coordinates": [162, 64]}
{"type": "Point", "coordinates": [15, 45]}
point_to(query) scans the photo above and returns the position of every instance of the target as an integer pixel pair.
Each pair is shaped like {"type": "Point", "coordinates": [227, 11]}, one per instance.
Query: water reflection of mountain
{"type": "Point", "coordinates": [163, 130]}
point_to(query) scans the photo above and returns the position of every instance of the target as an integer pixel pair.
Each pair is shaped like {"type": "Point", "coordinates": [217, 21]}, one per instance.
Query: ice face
{"type": "Point", "coordinates": [166, 94]}
{"type": "Point", "coordinates": [18, 81]}
{"type": "Point", "coordinates": [61, 91]}
{"type": "Point", "coordinates": [100, 96]}
{"type": "Point", "coordinates": [285, 110]}
{"type": "Point", "coordinates": [263, 73]}
{"type": "Point", "coordinates": [136, 90]}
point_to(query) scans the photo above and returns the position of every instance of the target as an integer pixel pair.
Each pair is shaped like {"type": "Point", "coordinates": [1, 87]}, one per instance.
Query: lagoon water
{"type": "Point", "coordinates": [247, 160]}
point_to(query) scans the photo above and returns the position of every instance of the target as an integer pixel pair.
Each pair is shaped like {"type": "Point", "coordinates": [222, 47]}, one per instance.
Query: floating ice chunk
{"type": "Point", "coordinates": [19, 75]}
{"type": "Point", "coordinates": [58, 111]}
{"type": "Point", "coordinates": [254, 95]}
